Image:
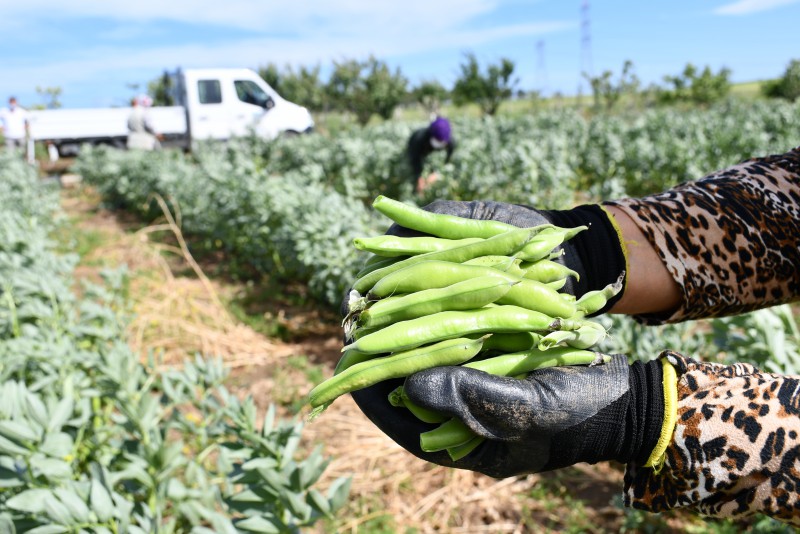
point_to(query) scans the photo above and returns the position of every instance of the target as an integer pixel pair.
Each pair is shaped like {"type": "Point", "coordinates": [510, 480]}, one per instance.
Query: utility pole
{"type": "Point", "coordinates": [541, 68]}
{"type": "Point", "coordinates": [586, 43]}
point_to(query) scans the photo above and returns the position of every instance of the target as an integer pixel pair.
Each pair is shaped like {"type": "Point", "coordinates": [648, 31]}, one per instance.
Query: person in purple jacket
{"type": "Point", "coordinates": [436, 136]}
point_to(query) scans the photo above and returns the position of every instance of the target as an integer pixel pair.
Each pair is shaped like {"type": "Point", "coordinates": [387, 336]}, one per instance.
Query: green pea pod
{"type": "Point", "coordinates": [452, 433]}
{"type": "Point", "coordinates": [367, 373]}
{"type": "Point", "coordinates": [438, 224]}
{"type": "Point", "coordinates": [547, 270]}
{"type": "Point", "coordinates": [594, 301]}
{"type": "Point", "coordinates": [587, 336]}
{"type": "Point", "coordinates": [467, 295]}
{"type": "Point", "coordinates": [428, 275]}
{"type": "Point", "coordinates": [451, 324]}
{"type": "Point", "coordinates": [504, 245]}
{"type": "Point", "coordinates": [539, 297]}
{"type": "Point", "coordinates": [458, 452]}
{"type": "Point", "coordinates": [399, 399]}
{"type": "Point", "coordinates": [542, 245]}
{"type": "Point", "coordinates": [527, 361]}
{"type": "Point", "coordinates": [392, 245]}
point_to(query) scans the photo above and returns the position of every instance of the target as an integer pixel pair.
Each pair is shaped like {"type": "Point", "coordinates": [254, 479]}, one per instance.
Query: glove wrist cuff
{"type": "Point", "coordinates": [599, 248]}
{"type": "Point", "coordinates": [645, 417]}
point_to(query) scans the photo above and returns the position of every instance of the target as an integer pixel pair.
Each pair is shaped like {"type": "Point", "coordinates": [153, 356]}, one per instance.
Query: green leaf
{"type": "Point", "coordinates": [57, 511]}
{"type": "Point", "coordinates": [318, 502]}
{"type": "Point", "coordinates": [77, 508]}
{"type": "Point", "coordinates": [338, 492]}
{"type": "Point", "coordinates": [18, 432]}
{"type": "Point", "coordinates": [58, 445]}
{"type": "Point", "coordinates": [100, 500]}
{"type": "Point", "coordinates": [30, 501]}
{"type": "Point", "coordinates": [261, 524]}
{"type": "Point", "coordinates": [60, 414]}
{"type": "Point", "coordinates": [11, 448]}
{"type": "Point", "coordinates": [48, 529]}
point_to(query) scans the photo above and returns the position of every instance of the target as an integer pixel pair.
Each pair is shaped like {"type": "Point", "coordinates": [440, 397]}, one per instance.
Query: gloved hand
{"type": "Point", "coordinates": [596, 254]}
{"type": "Point", "coordinates": [554, 418]}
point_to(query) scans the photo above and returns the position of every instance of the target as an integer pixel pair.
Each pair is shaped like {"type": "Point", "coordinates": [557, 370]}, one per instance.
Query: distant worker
{"type": "Point", "coordinates": [141, 134]}
{"type": "Point", "coordinates": [14, 124]}
{"type": "Point", "coordinates": [436, 136]}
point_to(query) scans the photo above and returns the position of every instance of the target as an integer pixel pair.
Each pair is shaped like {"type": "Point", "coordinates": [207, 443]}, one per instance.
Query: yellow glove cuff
{"type": "Point", "coordinates": [670, 383]}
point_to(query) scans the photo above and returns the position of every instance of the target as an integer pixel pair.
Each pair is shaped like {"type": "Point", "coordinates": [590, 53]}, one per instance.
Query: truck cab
{"type": "Point", "coordinates": [225, 103]}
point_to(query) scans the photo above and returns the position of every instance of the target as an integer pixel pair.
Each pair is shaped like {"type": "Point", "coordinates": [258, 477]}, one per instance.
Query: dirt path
{"type": "Point", "coordinates": [178, 311]}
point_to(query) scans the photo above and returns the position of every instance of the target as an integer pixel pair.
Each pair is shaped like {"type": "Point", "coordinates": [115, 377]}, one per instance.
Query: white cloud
{"type": "Point", "coordinates": [746, 7]}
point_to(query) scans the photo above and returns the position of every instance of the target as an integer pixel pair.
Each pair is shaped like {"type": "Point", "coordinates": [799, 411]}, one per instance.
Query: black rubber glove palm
{"type": "Point", "coordinates": [555, 418]}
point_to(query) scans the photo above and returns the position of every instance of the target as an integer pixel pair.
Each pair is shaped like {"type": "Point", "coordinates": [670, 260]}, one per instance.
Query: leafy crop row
{"type": "Point", "coordinates": [291, 207]}
{"type": "Point", "coordinates": [92, 440]}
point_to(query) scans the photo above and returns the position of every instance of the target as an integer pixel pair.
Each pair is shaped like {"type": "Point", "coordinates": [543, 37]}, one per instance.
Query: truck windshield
{"type": "Point", "coordinates": [249, 92]}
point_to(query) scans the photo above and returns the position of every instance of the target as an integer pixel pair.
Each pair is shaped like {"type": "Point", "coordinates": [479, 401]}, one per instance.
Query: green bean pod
{"type": "Point", "coordinates": [547, 270]}
{"type": "Point", "coordinates": [542, 244]}
{"type": "Point", "coordinates": [452, 433]}
{"type": "Point", "coordinates": [438, 224]}
{"type": "Point", "coordinates": [427, 275]}
{"type": "Point", "coordinates": [539, 297]}
{"type": "Point", "coordinates": [513, 342]}
{"type": "Point", "coordinates": [594, 301]}
{"type": "Point", "coordinates": [392, 245]}
{"type": "Point", "coordinates": [373, 264]}
{"type": "Point", "coordinates": [467, 295]}
{"type": "Point", "coordinates": [352, 357]}
{"type": "Point", "coordinates": [399, 399]}
{"type": "Point", "coordinates": [506, 264]}
{"type": "Point", "coordinates": [504, 244]}
{"type": "Point", "coordinates": [587, 336]}
{"type": "Point", "coordinates": [450, 324]}
{"type": "Point", "coordinates": [459, 451]}
{"type": "Point", "coordinates": [527, 361]}
{"type": "Point", "coordinates": [367, 373]}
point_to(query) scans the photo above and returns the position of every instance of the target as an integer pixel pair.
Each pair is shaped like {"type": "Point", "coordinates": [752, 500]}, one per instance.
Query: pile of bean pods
{"type": "Point", "coordinates": [478, 293]}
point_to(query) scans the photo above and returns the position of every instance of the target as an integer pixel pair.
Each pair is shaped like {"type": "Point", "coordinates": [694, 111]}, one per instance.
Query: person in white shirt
{"type": "Point", "coordinates": [14, 124]}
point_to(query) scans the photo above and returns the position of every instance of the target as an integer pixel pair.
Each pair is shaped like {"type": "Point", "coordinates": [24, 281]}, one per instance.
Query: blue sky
{"type": "Point", "coordinates": [95, 50]}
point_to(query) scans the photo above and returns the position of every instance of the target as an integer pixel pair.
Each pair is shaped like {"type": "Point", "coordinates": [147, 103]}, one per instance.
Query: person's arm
{"type": "Point", "coordinates": [451, 146]}
{"type": "Point", "coordinates": [730, 241]}
{"type": "Point", "coordinates": [734, 447]}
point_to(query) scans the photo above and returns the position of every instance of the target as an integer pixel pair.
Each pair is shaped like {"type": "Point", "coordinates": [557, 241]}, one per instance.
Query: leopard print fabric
{"type": "Point", "coordinates": [735, 450]}
{"type": "Point", "coordinates": [730, 240]}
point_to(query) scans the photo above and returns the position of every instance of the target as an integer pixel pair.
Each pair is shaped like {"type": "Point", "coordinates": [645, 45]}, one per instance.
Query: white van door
{"type": "Point", "coordinates": [251, 106]}
{"type": "Point", "coordinates": [209, 118]}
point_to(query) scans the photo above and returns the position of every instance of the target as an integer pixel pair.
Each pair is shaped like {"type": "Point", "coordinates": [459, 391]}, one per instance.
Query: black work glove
{"type": "Point", "coordinates": [554, 418]}
{"type": "Point", "coordinates": [595, 254]}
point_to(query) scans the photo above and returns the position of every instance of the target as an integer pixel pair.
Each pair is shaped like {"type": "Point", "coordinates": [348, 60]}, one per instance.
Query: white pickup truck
{"type": "Point", "coordinates": [208, 104]}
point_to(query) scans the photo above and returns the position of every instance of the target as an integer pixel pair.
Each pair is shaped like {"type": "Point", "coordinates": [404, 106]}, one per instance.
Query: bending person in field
{"type": "Point", "coordinates": [723, 440]}
{"type": "Point", "coordinates": [436, 136]}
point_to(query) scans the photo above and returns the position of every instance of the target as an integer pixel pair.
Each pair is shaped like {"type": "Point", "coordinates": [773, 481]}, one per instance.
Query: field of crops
{"type": "Point", "coordinates": [93, 439]}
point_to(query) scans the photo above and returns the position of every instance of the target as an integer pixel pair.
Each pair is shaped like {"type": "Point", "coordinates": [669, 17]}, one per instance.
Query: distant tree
{"type": "Point", "coordinates": [366, 88]}
{"type": "Point", "coordinates": [487, 90]}
{"type": "Point", "coordinates": [51, 97]}
{"type": "Point", "coordinates": [787, 86]}
{"type": "Point", "coordinates": [606, 93]}
{"type": "Point", "coordinates": [430, 95]}
{"type": "Point", "coordinates": [161, 90]}
{"type": "Point", "coordinates": [272, 76]}
{"type": "Point", "coordinates": [304, 87]}
{"type": "Point", "coordinates": [704, 87]}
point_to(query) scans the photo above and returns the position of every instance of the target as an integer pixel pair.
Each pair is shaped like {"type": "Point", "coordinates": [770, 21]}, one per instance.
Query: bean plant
{"type": "Point", "coordinates": [94, 440]}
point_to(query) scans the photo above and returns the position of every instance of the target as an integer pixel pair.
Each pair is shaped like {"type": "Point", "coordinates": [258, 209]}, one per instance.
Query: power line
{"type": "Point", "coordinates": [541, 68]}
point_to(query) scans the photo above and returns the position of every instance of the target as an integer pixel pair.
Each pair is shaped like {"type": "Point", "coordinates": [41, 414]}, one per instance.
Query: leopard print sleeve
{"type": "Point", "coordinates": [735, 449]}
{"type": "Point", "coordinates": [730, 240]}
